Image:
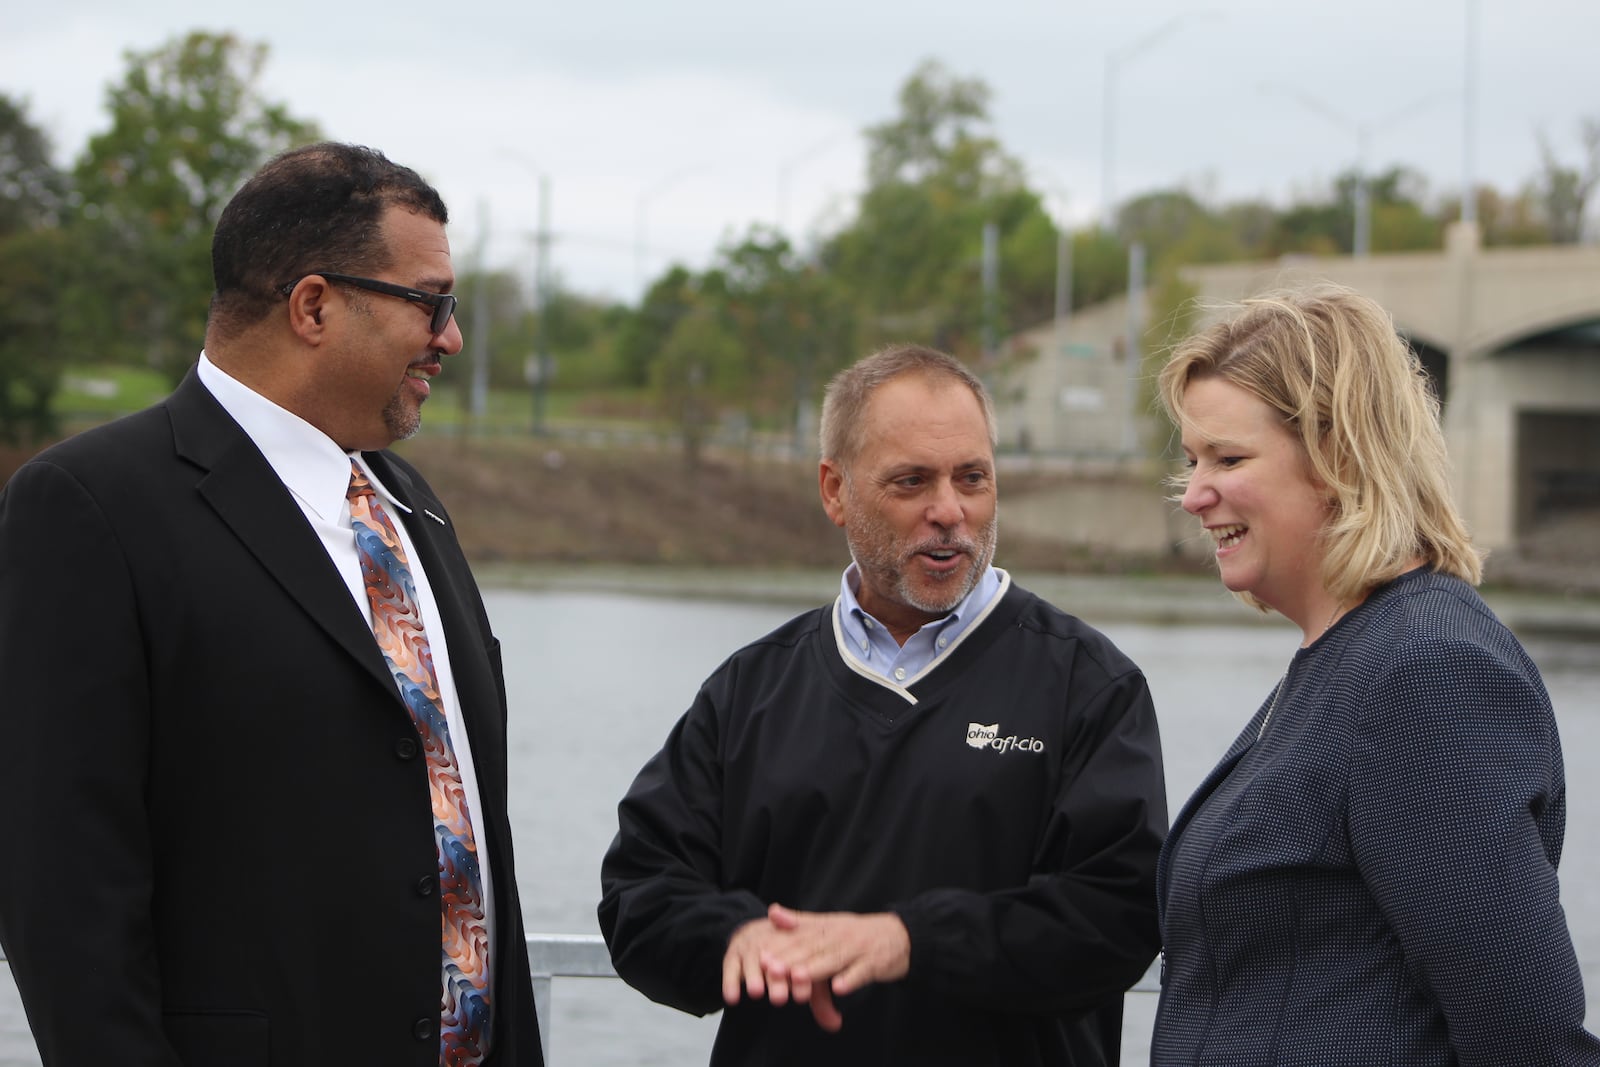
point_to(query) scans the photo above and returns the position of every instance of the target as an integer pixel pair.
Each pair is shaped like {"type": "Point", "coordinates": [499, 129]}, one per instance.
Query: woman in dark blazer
{"type": "Point", "coordinates": [1369, 875]}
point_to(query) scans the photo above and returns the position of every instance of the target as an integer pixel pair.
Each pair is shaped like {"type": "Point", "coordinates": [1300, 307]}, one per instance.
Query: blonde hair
{"type": "Point", "coordinates": [1357, 399]}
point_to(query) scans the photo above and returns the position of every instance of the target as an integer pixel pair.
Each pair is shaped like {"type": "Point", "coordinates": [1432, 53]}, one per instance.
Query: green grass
{"type": "Point", "coordinates": [512, 410]}
{"type": "Point", "coordinates": [109, 390]}
{"type": "Point", "coordinates": [94, 394]}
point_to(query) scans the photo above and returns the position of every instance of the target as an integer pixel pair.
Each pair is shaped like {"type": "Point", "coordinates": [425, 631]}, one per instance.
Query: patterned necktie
{"type": "Point", "coordinates": [397, 624]}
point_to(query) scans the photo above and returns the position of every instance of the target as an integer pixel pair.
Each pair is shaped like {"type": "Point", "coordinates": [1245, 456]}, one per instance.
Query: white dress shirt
{"type": "Point", "coordinates": [316, 471]}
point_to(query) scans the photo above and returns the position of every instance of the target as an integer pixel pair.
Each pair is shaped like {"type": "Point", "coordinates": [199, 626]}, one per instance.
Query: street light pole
{"type": "Point", "coordinates": [544, 366]}
{"type": "Point", "coordinates": [1058, 218]}
{"type": "Point", "coordinates": [640, 219]}
{"type": "Point", "coordinates": [1108, 114]}
{"type": "Point", "coordinates": [1063, 278]}
{"type": "Point", "coordinates": [1361, 237]}
{"type": "Point", "coordinates": [787, 167]}
{"type": "Point", "coordinates": [539, 365]}
{"type": "Point", "coordinates": [1469, 121]}
{"type": "Point", "coordinates": [477, 394]}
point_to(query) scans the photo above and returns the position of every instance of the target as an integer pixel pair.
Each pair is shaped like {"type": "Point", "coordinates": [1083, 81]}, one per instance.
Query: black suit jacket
{"type": "Point", "coordinates": [221, 850]}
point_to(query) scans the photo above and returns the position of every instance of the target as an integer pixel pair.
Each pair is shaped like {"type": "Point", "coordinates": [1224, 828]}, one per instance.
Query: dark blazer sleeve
{"type": "Point", "coordinates": [1457, 805]}
{"type": "Point", "coordinates": [75, 891]}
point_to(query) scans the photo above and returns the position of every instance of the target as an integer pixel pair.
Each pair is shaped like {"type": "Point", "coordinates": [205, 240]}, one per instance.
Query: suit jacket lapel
{"type": "Point", "coordinates": [1241, 745]}
{"type": "Point", "coordinates": [246, 493]}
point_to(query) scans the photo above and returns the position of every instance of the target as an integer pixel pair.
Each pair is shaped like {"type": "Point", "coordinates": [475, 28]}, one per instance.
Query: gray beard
{"type": "Point", "coordinates": [905, 590]}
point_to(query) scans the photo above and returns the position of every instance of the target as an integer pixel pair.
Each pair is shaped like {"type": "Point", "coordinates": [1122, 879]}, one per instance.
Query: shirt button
{"type": "Point", "coordinates": [864, 646]}
{"type": "Point", "coordinates": [899, 674]}
{"type": "Point", "coordinates": [867, 623]}
{"type": "Point", "coordinates": [406, 748]}
{"type": "Point", "coordinates": [943, 641]}
{"type": "Point", "coordinates": [426, 886]}
{"type": "Point", "coordinates": [422, 1029]}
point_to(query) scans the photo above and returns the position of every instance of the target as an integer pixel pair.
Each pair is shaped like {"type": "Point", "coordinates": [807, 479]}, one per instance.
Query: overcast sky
{"type": "Point", "coordinates": [665, 126]}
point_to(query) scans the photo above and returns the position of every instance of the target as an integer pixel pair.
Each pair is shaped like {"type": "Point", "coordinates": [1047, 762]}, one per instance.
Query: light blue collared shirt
{"type": "Point", "coordinates": [874, 648]}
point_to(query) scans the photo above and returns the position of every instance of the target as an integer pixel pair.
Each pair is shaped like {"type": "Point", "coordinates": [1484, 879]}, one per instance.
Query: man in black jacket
{"type": "Point", "coordinates": [919, 825]}
{"type": "Point", "coordinates": [225, 846]}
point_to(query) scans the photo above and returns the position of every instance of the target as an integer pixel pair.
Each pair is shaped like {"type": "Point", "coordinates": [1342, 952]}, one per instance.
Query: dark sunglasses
{"type": "Point", "coordinates": [443, 304]}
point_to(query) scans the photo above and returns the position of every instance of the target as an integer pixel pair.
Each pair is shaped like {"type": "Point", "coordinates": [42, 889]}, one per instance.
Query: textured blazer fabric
{"type": "Point", "coordinates": [1371, 878]}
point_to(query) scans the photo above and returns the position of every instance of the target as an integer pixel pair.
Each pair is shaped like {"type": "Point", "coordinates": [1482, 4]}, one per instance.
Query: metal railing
{"type": "Point", "coordinates": [553, 956]}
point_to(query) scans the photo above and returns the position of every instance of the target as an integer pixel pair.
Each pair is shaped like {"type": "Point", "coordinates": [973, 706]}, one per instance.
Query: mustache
{"type": "Point", "coordinates": [946, 544]}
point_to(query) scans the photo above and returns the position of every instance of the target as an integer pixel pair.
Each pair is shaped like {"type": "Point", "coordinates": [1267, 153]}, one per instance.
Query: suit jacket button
{"type": "Point", "coordinates": [422, 1029]}
{"type": "Point", "coordinates": [406, 748]}
{"type": "Point", "coordinates": [426, 886]}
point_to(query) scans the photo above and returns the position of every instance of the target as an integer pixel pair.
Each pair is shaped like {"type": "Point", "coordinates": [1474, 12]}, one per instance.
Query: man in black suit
{"type": "Point", "coordinates": [225, 842]}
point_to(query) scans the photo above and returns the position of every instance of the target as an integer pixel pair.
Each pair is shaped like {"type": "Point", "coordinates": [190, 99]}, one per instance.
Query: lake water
{"type": "Point", "coordinates": [596, 680]}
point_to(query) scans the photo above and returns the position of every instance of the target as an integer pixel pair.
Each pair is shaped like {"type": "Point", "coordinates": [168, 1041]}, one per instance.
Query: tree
{"type": "Point", "coordinates": [1099, 267]}
{"type": "Point", "coordinates": [1563, 192]}
{"type": "Point", "coordinates": [794, 323]}
{"type": "Point", "coordinates": [494, 312]}
{"type": "Point", "coordinates": [188, 124]}
{"type": "Point", "coordinates": [1158, 220]}
{"type": "Point", "coordinates": [644, 334]}
{"type": "Point", "coordinates": [1251, 222]}
{"type": "Point", "coordinates": [1174, 314]}
{"type": "Point", "coordinates": [913, 255]}
{"type": "Point", "coordinates": [700, 367]}
{"type": "Point", "coordinates": [1175, 228]}
{"type": "Point", "coordinates": [34, 265]}
{"type": "Point", "coordinates": [32, 190]}
{"type": "Point", "coordinates": [1506, 220]}
{"type": "Point", "coordinates": [1399, 222]}
{"type": "Point", "coordinates": [938, 134]}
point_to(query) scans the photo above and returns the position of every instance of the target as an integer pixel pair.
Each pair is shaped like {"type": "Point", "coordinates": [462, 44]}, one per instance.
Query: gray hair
{"type": "Point", "coordinates": [846, 398]}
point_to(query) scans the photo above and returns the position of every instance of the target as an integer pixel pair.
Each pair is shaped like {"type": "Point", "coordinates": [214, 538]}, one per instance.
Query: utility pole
{"type": "Point", "coordinates": [1361, 238]}
{"type": "Point", "coordinates": [787, 167]}
{"type": "Point", "coordinates": [991, 292]}
{"type": "Point", "coordinates": [1134, 351]}
{"type": "Point", "coordinates": [543, 368]}
{"type": "Point", "coordinates": [641, 218]}
{"type": "Point", "coordinates": [476, 397]}
{"type": "Point", "coordinates": [1063, 279]}
{"type": "Point", "coordinates": [1108, 108]}
{"type": "Point", "coordinates": [1469, 121]}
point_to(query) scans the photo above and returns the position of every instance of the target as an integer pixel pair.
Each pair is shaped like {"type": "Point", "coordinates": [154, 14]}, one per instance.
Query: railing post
{"type": "Point", "coordinates": [541, 1005]}
{"type": "Point", "coordinates": [552, 956]}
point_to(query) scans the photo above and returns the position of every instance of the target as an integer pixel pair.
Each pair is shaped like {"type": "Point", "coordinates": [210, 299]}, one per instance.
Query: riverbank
{"type": "Point", "coordinates": [1159, 599]}
{"type": "Point", "coordinates": [526, 501]}
{"type": "Point", "coordinates": [535, 514]}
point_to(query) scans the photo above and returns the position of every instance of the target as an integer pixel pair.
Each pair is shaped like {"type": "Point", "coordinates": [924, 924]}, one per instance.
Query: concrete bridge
{"type": "Point", "coordinates": [1512, 336]}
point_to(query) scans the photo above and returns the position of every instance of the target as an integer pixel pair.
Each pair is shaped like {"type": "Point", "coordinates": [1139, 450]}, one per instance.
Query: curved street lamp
{"type": "Point", "coordinates": [640, 217]}
{"type": "Point", "coordinates": [1108, 118]}
{"type": "Point", "coordinates": [1361, 239]}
